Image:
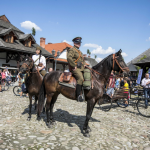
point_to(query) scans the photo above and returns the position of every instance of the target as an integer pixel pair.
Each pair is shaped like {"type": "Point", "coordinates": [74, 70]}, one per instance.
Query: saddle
{"type": "Point", "coordinates": [67, 79]}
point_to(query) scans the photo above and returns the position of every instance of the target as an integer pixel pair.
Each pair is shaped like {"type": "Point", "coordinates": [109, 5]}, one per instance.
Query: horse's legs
{"type": "Point", "coordinates": [90, 106]}
{"type": "Point", "coordinates": [54, 98]}
{"type": "Point", "coordinates": [36, 98]}
{"type": "Point", "coordinates": [30, 107]}
{"type": "Point", "coordinates": [48, 102]}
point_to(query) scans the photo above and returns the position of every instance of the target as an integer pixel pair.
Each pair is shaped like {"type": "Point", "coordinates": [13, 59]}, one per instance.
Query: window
{"type": "Point", "coordinates": [9, 38]}
{"type": "Point", "coordinates": [28, 43]}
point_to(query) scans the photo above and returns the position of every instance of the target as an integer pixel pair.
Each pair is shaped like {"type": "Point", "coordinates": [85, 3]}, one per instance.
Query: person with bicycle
{"type": "Point", "coordinates": [146, 85]}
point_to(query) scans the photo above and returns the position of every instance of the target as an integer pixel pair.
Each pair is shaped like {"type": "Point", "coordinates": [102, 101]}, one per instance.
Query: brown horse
{"type": "Point", "coordinates": [101, 73]}
{"type": "Point", "coordinates": [33, 81]}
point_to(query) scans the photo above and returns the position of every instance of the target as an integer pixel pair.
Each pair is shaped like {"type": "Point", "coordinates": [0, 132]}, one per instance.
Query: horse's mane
{"type": "Point", "coordinates": [105, 60]}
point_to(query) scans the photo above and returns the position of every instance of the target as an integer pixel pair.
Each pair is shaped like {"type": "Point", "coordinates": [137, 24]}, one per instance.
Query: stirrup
{"type": "Point", "coordinates": [80, 98]}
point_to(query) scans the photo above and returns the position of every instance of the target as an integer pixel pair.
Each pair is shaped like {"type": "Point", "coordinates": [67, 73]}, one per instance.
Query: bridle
{"type": "Point", "coordinates": [115, 60]}
{"type": "Point", "coordinates": [29, 67]}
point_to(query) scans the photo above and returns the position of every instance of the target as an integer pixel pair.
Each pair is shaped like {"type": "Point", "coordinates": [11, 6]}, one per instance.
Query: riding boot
{"type": "Point", "coordinates": [78, 92]}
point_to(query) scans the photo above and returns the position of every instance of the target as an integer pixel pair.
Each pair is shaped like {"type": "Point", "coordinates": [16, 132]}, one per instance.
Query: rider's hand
{"type": "Point", "coordinates": [74, 68]}
{"type": "Point", "coordinates": [84, 66]}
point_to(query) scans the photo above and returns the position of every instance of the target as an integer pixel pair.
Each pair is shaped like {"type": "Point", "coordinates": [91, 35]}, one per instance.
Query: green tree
{"type": "Point", "coordinates": [95, 56]}
{"type": "Point", "coordinates": [33, 31]}
{"type": "Point", "coordinates": [88, 52]}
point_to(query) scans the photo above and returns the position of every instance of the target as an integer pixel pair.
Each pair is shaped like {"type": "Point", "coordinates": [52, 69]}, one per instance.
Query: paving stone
{"type": "Point", "coordinates": [117, 129]}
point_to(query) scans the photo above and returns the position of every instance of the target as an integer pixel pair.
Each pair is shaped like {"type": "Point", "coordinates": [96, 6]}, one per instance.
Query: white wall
{"type": "Point", "coordinates": [63, 54]}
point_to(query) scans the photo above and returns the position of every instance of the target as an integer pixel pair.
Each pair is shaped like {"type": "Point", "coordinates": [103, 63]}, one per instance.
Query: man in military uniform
{"type": "Point", "coordinates": [76, 65]}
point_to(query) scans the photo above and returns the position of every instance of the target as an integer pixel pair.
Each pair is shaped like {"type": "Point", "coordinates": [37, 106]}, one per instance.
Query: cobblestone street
{"type": "Point", "coordinates": [119, 128]}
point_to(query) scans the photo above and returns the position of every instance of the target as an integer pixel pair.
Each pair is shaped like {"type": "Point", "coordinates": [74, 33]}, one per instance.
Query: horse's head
{"type": "Point", "coordinates": [118, 63]}
{"type": "Point", "coordinates": [27, 64]}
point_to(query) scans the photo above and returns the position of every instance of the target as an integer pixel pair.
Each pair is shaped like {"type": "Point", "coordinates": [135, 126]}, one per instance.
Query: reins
{"type": "Point", "coordinates": [114, 60]}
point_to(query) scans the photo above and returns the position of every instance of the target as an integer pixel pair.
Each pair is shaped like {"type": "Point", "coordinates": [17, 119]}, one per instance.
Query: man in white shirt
{"type": "Point", "coordinates": [146, 85]}
{"type": "Point", "coordinates": [39, 61]}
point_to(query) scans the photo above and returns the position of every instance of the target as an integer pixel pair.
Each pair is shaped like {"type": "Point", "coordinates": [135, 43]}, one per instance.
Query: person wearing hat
{"type": "Point", "coordinates": [76, 65]}
{"type": "Point", "coordinates": [39, 61]}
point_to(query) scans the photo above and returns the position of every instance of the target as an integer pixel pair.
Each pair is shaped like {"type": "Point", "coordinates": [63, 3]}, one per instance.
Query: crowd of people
{"type": "Point", "coordinates": [117, 82]}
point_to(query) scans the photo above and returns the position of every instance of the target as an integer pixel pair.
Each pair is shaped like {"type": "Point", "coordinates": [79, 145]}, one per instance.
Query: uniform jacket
{"type": "Point", "coordinates": [72, 55]}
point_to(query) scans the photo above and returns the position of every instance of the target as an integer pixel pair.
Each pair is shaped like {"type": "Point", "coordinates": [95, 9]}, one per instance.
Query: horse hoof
{"type": "Point", "coordinates": [89, 130]}
{"type": "Point", "coordinates": [49, 125]}
{"type": "Point", "coordinates": [86, 135]}
{"type": "Point", "coordinates": [38, 118]}
{"type": "Point", "coordinates": [53, 123]}
{"type": "Point", "coordinates": [29, 118]}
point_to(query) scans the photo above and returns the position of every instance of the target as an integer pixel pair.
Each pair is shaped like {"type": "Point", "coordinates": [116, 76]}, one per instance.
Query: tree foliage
{"type": "Point", "coordinates": [33, 31]}
{"type": "Point", "coordinates": [95, 56]}
{"type": "Point", "coordinates": [142, 58]}
{"type": "Point", "coordinates": [88, 52]}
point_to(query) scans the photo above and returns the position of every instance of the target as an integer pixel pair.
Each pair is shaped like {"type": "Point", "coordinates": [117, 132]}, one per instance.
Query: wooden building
{"type": "Point", "coordinates": [14, 44]}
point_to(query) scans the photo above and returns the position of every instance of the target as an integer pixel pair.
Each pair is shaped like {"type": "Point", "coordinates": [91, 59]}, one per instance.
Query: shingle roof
{"type": "Point", "coordinates": [6, 31]}
{"type": "Point", "coordinates": [136, 59]}
{"type": "Point", "coordinates": [145, 62]}
{"type": "Point", "coordinates": [57, 47]}
{"type": "Point", "coordinates": [26, 36]}
{"type": "Point", "coordinates": [132, 67]}
{"type": "Point", "coordinates": [7, 25]}
{"type": "Point", "coordinates": [17, 45]}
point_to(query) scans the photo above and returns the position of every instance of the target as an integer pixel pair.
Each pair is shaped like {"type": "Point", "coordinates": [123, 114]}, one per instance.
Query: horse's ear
{"type": "Point", "coordinates": [119, 52]}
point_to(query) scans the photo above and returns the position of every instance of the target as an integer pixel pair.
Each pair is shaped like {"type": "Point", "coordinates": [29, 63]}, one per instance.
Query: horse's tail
{"type": "Point", "coordinates": [41, 98]}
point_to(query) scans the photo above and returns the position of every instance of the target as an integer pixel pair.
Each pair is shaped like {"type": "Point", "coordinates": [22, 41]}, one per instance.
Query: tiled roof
{"type": "Point", "coordinates": [57, 47]}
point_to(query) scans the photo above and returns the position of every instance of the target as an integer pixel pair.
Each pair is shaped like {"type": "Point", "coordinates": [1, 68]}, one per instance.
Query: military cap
{"type": "Point", "coordinates": [77, 40]}
{"type": "Point", "coordinates": [38, 48]}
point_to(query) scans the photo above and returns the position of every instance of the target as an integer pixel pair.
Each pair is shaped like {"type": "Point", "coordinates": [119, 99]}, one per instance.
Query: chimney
{"type": "Point", "coordinates": [42, 42]}
{"type": "Point", "coordinates": [89, 56]}
{"type": "Point", "coordinates": [49, 43]}
{"type": "Point", "coordinates": [84, 55]}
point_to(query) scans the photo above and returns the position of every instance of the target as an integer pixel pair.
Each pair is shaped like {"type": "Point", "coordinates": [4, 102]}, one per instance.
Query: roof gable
{"type": "Point", "coordinates": [4, 18]}
{"type": "Point", "coordinates": [23, 37]}
{"type": "Point", "coordinates": [7, 31]}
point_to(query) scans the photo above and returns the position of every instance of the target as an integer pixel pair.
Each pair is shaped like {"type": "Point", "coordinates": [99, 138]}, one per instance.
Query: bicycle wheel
{"type": "Point", "coordinates": [17, 90]}
{"type": "Point", "coordinates": [142, 108]}
{"type": "Point", "coordinates": [121, 103]}
{"type": "Point", "coordinates": [106, 106]}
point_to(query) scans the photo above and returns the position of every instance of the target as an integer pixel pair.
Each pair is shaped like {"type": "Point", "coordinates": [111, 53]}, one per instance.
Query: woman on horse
{"type": "Point", "coordinates": [39, 61]}
{"type": "Point", "coordinates": [76, 65]}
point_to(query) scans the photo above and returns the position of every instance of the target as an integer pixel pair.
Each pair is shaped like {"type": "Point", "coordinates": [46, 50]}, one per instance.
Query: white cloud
{"type": "Point", "coordinates": [124, 54]}
{"type": "Point", "coordinates": [67, 42]}
{"type": "Point", "coordinates": [149, 24]}
{"type": "Point", "coordinates": [91, 45]}
{"type": "Point", "coordinates": [29, 25]}
{"type": "Point", "coordinates": [100, 50]}
{"type": "Point", "coordinates": [99, 59]}
{"type": "Point", "coordinates": [148, 39]}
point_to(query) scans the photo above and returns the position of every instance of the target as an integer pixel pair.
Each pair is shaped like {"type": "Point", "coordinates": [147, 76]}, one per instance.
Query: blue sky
{"type": "Point", "coordinates": [105, 26]}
